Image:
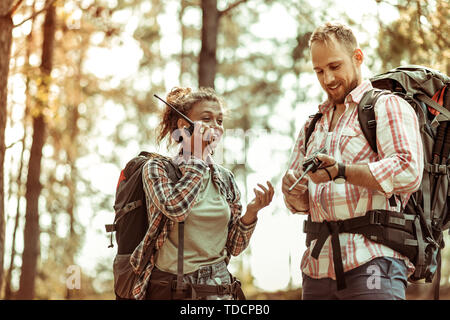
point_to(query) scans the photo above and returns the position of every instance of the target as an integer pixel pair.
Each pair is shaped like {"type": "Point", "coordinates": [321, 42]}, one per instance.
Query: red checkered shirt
{"type": "Point", "coordinates": [397, 167]}
{"type": "Point", "coordinates": [175, 200]}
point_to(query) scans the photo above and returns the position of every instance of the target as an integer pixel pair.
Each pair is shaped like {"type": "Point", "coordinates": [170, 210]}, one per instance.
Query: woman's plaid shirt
{"type": "Point", "coordinates": [175, 200]}
{"type": "Point", "coordinates": [397, 167]}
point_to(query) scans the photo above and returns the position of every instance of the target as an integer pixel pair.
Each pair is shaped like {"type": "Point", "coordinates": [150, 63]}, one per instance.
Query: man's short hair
{"type": "Point", "coordinates": [341, 33]}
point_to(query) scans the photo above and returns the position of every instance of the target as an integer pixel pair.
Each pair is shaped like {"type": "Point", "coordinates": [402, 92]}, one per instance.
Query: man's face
{"type": "Point", "coordinates": [338, 71]}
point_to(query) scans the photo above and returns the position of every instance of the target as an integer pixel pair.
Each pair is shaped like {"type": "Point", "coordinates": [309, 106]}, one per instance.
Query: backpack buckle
{"type": "Point", "coordinates": [374, 217]}
{"type": "Point", "coordinates": [434, 243]}
{"type": "Point", "coordinates": [110, 227]}
{"type": "Point", "coordinates": [409, 97]}
{"type": "Point", "coordinates": [371, 124]}
{"type": "Point", "coordinates": [439, 169]}
{"type": "Point", "coordinates": [367, 107]}
{"type": "Point", "coordinates": [221, 290]}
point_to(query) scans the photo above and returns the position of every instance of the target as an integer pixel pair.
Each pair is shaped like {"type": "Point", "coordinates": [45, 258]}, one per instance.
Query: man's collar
{"type": "Point", "coordinates": [325, 107]}
{"type": "Point", "coordinates": [356, 94]}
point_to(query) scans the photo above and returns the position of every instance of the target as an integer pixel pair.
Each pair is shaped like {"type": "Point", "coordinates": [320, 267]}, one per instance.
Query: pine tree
{"type": "Point", "coordinates": [33, 189]}
{"type": "Point", "coordinates": [6, 26]}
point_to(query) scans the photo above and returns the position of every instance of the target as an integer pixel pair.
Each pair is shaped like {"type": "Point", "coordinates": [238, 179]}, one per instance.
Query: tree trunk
{"type": "Point", "coordinates": [8, 289]}
{"type": "Point", "coordinates": [6, 26]}
{"type": "Point", "coordinates": [207, 63]}
{"type": "Point", "coordinates": [183, 64]}
{"type": "Point", "coordinates": [31, 233]}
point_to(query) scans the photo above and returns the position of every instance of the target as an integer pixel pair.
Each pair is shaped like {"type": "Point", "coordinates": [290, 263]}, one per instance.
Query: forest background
{"type": "Point", "coordinates": [76, 84]}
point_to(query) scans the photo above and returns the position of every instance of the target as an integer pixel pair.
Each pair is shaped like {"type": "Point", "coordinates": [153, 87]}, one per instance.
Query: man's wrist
{"type": "Point", "coordinates": [334, 171]}
{"type": "Point", "coordinates": [341, 176]}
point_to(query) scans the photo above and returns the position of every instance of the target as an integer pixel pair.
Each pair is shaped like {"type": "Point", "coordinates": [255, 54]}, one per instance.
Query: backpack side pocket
{"type": "Point", "coordinates": [124, 276]}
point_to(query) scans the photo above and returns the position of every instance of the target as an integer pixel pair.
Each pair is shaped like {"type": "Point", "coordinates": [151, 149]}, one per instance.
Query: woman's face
{"type": "Point", "coordinates": [210, 113]}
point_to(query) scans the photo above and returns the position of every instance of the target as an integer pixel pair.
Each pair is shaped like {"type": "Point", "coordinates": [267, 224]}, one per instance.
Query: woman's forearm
{"type": "Point", "coordinates": [249, 217]}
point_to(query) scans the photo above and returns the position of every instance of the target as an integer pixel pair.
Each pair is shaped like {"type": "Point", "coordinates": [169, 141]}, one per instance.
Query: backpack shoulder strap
{"type": "Point", "coordinates": [444, 114]}
{"type": "Point", "coordinates": [172, 169]}
{"type": "Point", "coordinates": [226, 174]}
{"type": "Point", "coordinates": [366, 115]}
{"type": "Point", "coordinates": [312, 125]}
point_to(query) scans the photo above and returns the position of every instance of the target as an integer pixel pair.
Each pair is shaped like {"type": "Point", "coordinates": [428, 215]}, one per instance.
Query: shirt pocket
{"type": "Point", "coordinates": [353, 145]}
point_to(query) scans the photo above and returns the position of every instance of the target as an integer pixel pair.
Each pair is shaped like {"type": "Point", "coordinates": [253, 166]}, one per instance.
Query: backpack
{"type": "Point", "coordinates": [131, 220]}
{"type": "Point", "coordinates": [131, 225]}
{"type": "Point", "coordinates": [417, 232]}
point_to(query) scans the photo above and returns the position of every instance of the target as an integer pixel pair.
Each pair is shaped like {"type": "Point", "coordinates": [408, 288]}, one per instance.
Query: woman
{"type": "Point", "coordinates": [206, 198]}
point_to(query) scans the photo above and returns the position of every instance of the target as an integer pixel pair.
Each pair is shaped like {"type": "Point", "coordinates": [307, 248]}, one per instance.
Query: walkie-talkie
{"type": "Point", "coordinates": [310, 164]}
{"type": "Point", "coordinates": [190, 130]}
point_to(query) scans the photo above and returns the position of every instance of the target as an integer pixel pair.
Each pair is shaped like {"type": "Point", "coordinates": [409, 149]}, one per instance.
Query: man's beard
{"type": "Point", "coordinates": [340, 99]}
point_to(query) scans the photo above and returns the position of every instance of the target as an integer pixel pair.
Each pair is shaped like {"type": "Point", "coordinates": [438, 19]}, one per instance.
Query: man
{"type": "Point", "coordinates": [352, 179]}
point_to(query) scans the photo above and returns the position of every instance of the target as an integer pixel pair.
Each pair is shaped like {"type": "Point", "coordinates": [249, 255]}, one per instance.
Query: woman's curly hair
{"type": "Point", "coordinates": [183, 99]}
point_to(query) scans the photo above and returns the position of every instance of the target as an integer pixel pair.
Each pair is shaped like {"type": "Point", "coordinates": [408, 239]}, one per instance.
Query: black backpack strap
{"type": "Point", "coordinates": [180, 273]}
{"type": "Point", "coordinates": [129, 207]}
{"type": "Point", "coordinates": [438, 276]}
{"type": "Point", "coordinates": [366, 115]}
{"type": "Point", "coordinates": [172, 169]}
{"type": "Point", "coordinates": [312, 125]}
{"type": "Point", "coordinates": [438, 169]}
{"type": "Point", "coordinates": [326, 229]}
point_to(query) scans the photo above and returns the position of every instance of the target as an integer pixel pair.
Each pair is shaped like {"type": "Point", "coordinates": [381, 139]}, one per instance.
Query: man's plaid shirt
{"type": "Point", "coordinates": [397, 167]}
{"type": "Point", "coordinates": [175, 200]}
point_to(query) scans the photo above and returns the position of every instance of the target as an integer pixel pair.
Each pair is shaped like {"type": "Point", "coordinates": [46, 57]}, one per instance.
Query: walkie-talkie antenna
{"type": "Point", "coordinates": [180, 113]}
{"type": "Point", "coordinates": [301, 177]}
